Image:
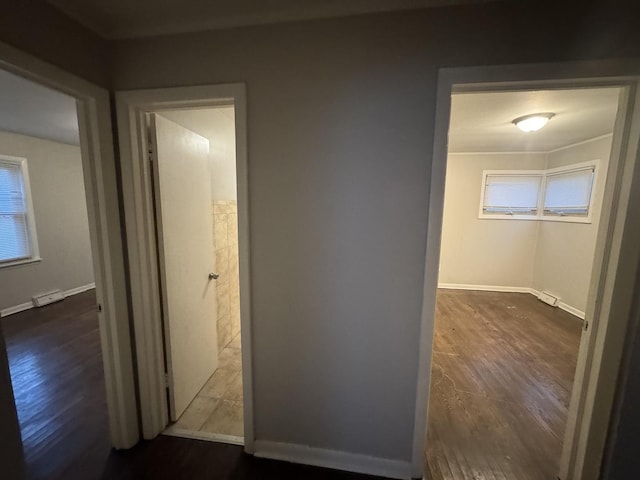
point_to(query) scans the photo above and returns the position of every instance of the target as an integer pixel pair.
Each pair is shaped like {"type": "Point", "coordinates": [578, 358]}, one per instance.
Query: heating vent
{"type": "Point", "coordinates": [47, 298]}
{"type": "Point", "coordinates": [549, 299]}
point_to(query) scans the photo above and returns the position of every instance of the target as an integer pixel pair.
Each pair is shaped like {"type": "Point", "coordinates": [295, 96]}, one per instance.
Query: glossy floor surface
{"type": "Point", "coordinates": [56, 367]}
{"type": "Point", "coordinates": [502, 373]}
{"type": "Point", "coordinates": [173, 458]}
{"type": "Point", "coordinates": [218, 407]}
{"type": "Point", "coordinates": [56, 372]}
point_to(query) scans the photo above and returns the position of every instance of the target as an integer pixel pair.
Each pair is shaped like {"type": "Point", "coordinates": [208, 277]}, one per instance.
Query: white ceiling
{"type": "Point", "coordinates": [30, 109]}
{"type": "Point", "coordinates": [138, 18]}
{"type": "Point", "coordinates": [215, 124]}
{"type": "Point", "coordinates": [482, 122]}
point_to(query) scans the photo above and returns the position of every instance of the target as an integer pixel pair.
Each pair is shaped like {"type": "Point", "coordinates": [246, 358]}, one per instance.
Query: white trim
{"type": "Point", "coordinates": [485, 288]}
{"type": "Point", "coordinates": [18, 263]}
{"type": "Point", "coordinates": [572, 310]}
{"type": "Point", "coordinates": [32, 233]}
{"type": "Point", "coordinates": [141, 240]}
{"type": "Point", "coordinates": [502, 288]}
{"type": "Point", "coordinates": [613, 279]}
{"type": "Point", "coordinates": [99, 170]}
{"type": "Point", "coordinates": [174, 431]}
{"type": "Point", "coordinates": [583, 142]}
{"type": "Point", "coordinates": [320, 457]}
{"type": "Point", "coordinates": [544, 175]}
{"type": "Point", "coordinates": [80, 289]}
{"type": "Point", "coordinates": [5, 312]}
{"type": "Point", "coordinates": [536, 152]}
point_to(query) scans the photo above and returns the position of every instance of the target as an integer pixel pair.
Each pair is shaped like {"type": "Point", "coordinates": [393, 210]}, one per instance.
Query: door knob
{"type": "Point", "coordinates": [213, 276]}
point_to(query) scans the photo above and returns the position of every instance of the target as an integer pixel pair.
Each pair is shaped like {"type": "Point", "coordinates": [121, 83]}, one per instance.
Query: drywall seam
{"type": "Point", "coordinates": [319, 457]}
{"type": "Point", "coordinates": [5, 312]}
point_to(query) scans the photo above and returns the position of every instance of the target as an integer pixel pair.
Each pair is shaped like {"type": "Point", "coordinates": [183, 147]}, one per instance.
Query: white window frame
{"type": "Point", "coordinates": [510, 173]}
{"type": "Point", "coordinates": [544, 174]}
{"type": "Point", "coordinates": [574, 167]}
{"type": "Point", "coordinates": [34, 250]}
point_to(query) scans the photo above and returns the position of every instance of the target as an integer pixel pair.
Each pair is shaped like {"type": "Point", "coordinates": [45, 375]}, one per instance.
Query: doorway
{"type": "Point", "coordinates": [58, 304]}
{"type": "Point", "coordinates": [521, 215]}
{"type": "Point", "coordinates": [616, 247]}
{"type": "Point", "coordinates": [195, 191]}
{"type": "Point", "coordinates": [219, 403]}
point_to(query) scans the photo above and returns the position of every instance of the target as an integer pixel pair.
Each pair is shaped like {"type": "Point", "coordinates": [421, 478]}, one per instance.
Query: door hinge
{"type": "Point", "coordinates": [585, 325]}
{"type": "Point", "coordinates": [166, 380]}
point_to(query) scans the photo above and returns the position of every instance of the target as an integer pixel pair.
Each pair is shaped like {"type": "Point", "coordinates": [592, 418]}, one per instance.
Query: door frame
{"type": "Point", "coordinates": [616, 258]}
{"type": "Point", "coordinates": [101, 191]}
{"type": "Point", "coordinates": [132, 106]}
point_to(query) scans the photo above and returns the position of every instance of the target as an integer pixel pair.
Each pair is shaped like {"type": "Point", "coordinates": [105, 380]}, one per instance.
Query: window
{"type": "Point", "coordinates": [18, 243]}
{"type": "Point", "coordinates": [568, 192]}
{"type": "Point", "coordinates": [561, 194]}
{"type": "Point", "coordinates": [511, 194]}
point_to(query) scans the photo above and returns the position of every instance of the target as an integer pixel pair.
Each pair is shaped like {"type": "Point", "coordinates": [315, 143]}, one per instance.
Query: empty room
{"type": "Point", "coordinates": [48, 306]}
{"type": "Point", "coordinates": [525, 179]}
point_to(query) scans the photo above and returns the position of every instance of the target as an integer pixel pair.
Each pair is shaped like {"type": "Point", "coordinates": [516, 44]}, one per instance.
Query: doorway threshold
{"type": "Point", "coordinates": [174, 431]}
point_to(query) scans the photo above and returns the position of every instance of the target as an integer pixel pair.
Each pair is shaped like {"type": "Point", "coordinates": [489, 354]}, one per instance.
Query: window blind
{"type": "Point", "coordinates": [569, 193]}
{"type": "Point", "coordinates": [14, 232]}
{"type": "Point", "coordinates": [511, 194]}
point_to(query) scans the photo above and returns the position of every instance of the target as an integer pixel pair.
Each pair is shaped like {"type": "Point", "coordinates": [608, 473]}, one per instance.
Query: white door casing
{"type": "Point", "coordinates": [186, 252]}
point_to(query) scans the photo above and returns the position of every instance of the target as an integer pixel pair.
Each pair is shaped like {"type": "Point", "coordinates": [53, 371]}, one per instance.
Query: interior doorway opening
{"type": "Point", "coordinates": [163, 249]}
{"type": "Point", "coordinates": [195, 191]}
{"type": "Point", "coordinates": [608, 301]}
{"type": "Point", "coordinates": [49, 306]}
{"type": "Point", "coordinates": [520, 224]}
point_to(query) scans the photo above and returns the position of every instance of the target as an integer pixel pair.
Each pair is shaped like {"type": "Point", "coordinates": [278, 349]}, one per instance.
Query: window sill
{"type": "Point", "coordinates": [18, 263]}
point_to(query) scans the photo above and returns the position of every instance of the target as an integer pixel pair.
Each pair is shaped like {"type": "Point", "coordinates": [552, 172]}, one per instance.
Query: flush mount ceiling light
{"type": "Point", "coordinates": [533, 122]}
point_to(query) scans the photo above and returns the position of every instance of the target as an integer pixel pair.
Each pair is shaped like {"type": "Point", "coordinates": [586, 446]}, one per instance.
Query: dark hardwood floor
{"type": "Point", "coordinates": [174, 458]}
{"type": "Point", "coordinates": [502, 373]}
{"type": "Point", "coordinates": [58, 382]}
{"type": "Point", "coordinates": [56, 369]}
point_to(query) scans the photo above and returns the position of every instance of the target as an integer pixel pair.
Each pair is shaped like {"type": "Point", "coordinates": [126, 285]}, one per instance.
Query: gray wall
{"type": "Point", "coordinates": [60, 208]}
{"type": "Point", "coordinates": [333, 105]}
{"type": "Point", "coordinates": [38, 28]}
{"type": "Point", "coordinates": [341, 117]}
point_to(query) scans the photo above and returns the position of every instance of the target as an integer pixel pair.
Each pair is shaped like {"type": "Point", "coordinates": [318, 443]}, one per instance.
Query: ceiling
{"type": "Point", "coordinates": [482, 122]}
{"type": "Point", "coordinates": [30, 109]}
{"type": "Point", "coordinates": [216, 124]}
{"type": "Point", "coordinates": [139, 18]}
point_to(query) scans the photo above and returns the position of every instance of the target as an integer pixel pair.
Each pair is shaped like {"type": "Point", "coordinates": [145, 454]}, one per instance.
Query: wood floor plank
{"type": "Point", "coordinates": [502, 373]}
{"type": "Point", "coordinates": [56, 371]}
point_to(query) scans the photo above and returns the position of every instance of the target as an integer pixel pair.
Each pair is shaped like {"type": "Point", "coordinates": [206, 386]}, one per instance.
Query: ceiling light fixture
{"type": "Point", "coordinates": [533, 122]}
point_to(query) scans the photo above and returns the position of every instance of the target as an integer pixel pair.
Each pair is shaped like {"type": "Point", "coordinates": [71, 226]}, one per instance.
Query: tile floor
{"type": "Point", "coordinates": [217, 409]}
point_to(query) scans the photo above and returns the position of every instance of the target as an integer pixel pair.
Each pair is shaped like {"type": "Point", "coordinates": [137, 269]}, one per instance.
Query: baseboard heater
{"type": "Point", "coordinates": [549, 299]}
{"type": "Point", "coordinates": [47, 298]}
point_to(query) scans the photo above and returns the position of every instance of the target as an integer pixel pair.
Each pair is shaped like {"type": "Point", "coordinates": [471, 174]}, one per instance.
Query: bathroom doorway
{"type": "Point", "coordinates": [192, 153]}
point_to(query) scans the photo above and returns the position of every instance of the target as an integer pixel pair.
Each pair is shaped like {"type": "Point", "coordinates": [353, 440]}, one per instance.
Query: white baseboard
{"type": "Point", "coordinates": [5, 312]}
{"type": "Point", "coordinates": [319, 457]}
{"type": "Point", "coordinates": [572, 310]}
{"type": "Point", "coordinates": [484, 288]}
{"type": "Point", "coordinates": [80, 289]}
{"type": "Point", "coordinates": [500, 288]}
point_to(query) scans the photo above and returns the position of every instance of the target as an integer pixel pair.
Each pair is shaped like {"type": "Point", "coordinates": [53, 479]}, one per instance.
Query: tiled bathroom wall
{"type": "Point", "coordinates": [225, 238]}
